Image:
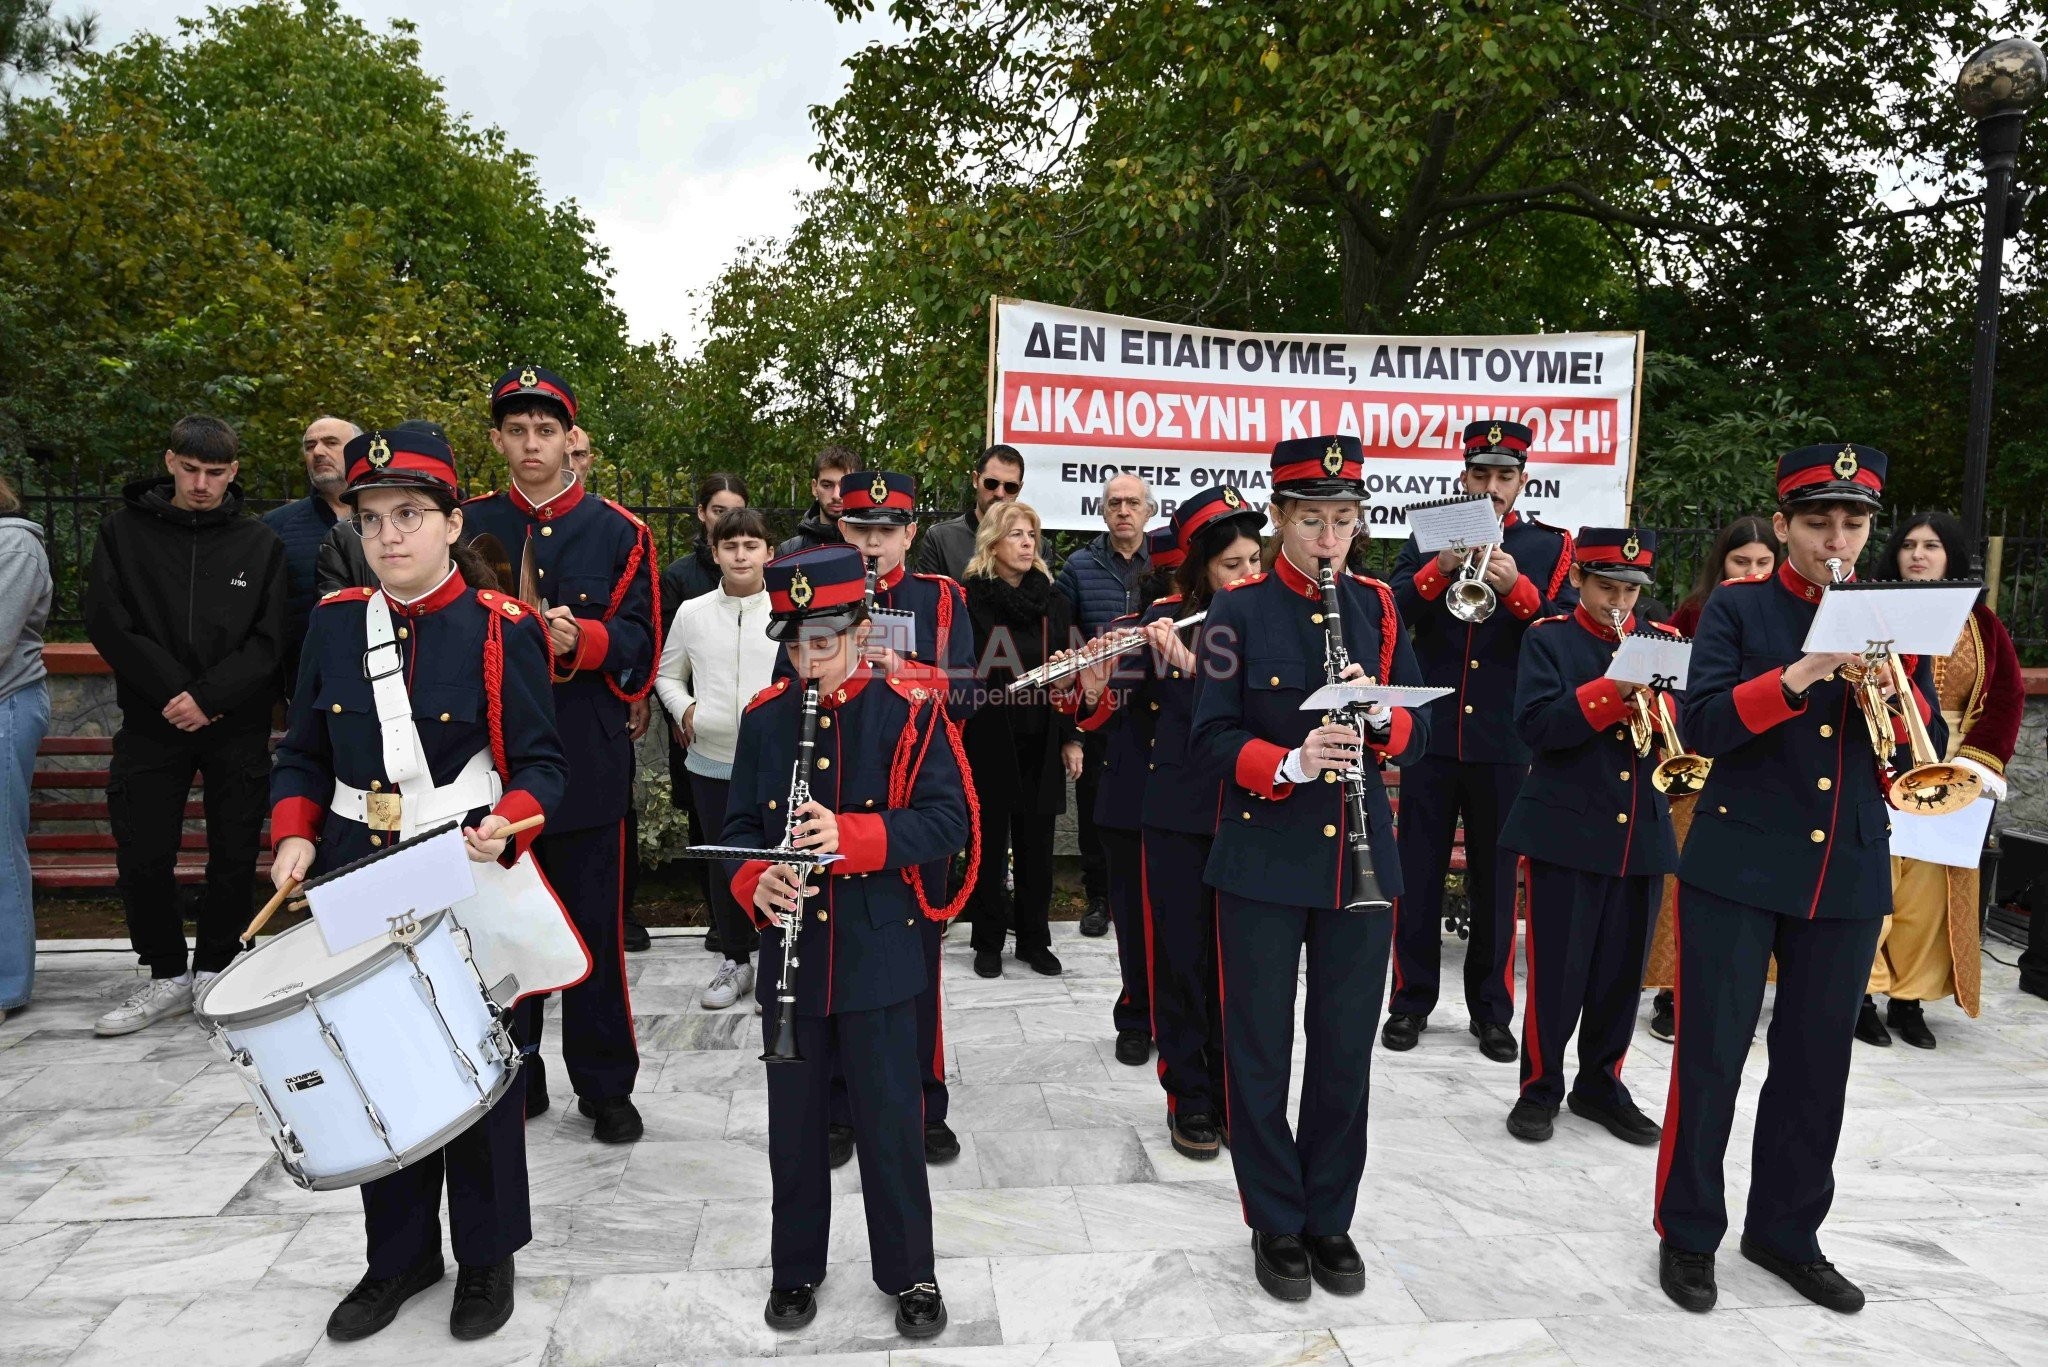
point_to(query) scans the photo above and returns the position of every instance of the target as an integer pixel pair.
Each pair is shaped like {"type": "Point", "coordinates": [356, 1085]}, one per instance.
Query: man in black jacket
{"type": "Point", "coordinates": [303, 523]}
{"type": "Point", "coordinates": [186, 603]}
{"type": "Point", "coordinates": [947, 546]}
{"type": "Point", "coordinates": [820, 526]}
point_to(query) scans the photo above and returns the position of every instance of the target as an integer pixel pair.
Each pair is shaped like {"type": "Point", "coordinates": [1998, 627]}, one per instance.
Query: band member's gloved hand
{"type": "Point", "coordinates": [482, 841]}
{"type": "Point", "coordinates": [776, 895]}
{"type": "Point", "coordinates": [1379, 719]}
{"type": "Point", "coordinates": [816, 829]}
{"type": "Point", "coordinates": [291, 861]}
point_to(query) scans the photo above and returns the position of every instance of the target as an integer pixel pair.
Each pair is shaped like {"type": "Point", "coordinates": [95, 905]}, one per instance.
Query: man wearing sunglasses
{"type": "Point", "coordinates": [948, 545]}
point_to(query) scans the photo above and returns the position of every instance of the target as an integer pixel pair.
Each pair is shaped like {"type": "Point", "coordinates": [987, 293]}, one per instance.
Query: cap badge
{"type": "Point", "coordinates": [1632, 547]}
{"type": "Point", "coordinates": [380, 453]}
{"type": "Point", "coordinates": [1231, 499]}
{"type": "Point", "coordinates": [1333, 459]}
{"type": "Point", "coordinates": [527, 378]}
{"type": "Point", "coordinates": [1493, 435]}
{"type": "Point", "coordinates": [879, 490]}
{"type": "Point", "coordinates": [800, 590]}
{"type": "Point", "coordinates": [1845, 464]}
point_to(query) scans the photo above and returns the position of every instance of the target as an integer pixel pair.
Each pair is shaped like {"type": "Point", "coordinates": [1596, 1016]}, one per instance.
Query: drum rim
{"type": "Point", "coordinates": [325, 988]}
{"type": "Point", "coordinates": [439, 1139]}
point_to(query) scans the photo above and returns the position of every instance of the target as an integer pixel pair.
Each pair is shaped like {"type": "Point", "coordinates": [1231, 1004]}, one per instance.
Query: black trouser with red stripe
{"type": "Point", "coordinates": [1180, 941]}
{"type": "Point", "coordinates": [1434, 791]}
{"type": "Point", "coordinates": [489, 1218]}
{"type": "Point", "coordinates": [1587, 938]}
{"type": "Point", "coordinates": [1724, 955]}
{"type": "Point", "coordinates": [587, 870]}
{"type": "Point", "coordinates": [1124, 866]}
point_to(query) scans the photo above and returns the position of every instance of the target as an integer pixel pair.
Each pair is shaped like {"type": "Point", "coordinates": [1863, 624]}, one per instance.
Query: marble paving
{"type": "Point", "coordinates": [142, 1218]}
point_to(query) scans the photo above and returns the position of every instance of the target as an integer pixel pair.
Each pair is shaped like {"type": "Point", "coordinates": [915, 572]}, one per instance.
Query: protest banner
{"type": "Point", "coordinates": [1084, 395]}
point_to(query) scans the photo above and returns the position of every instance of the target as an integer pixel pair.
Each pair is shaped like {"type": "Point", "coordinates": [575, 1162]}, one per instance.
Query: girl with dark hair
{"type": "Point", "coordinates": [1929, 946]}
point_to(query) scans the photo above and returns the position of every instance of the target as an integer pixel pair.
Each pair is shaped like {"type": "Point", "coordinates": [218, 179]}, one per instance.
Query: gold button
{"type": "Point", "coordinates": [824, 763]}
{"type": "Point", "coordinates": [376, 785]}
{"type": "Point", "coordinates": [907, 921]}
{"type": "Point", "coordinates": [376, 840]}
{"type": "Point", "coordinates": [1475, 664]}
{"type": "Point", "coordinates": [1155, 706]}
{"type": "Point", "coordinates": [1151, 766]}
{"type": "Point", "coordinates": [1245, 815]}
{"type": "Point", "coordinates": [1722, 810]}
{"type": "Point", "coordinates": [1621, 818]}
{"type": "Point", "coordinates": [1826, 730]}
{"type": "Point", "coordinates": [1618, 735]}
{"type": "Point", "coordinates": [1817, 836]}
{"type": "Point", "coordinates": [542, 573]}
{"type": "Point", "coordinates": [1468, 709]}
{"type": "Point", "coordinates": [1176, 674]}
{"type": "Point", "coordinates": [1275, 681]}
{"type": "Point", "coordinates": [1329, 775]}
{"type": "Point", "coordinates": [1329, 830]}
{"type": "Point", "coordinates": [547, 531]}
{"type": "Point", "coordinates": [1316, 617]}
{"type": "Point", "coordinates": [771, 805]}
{"type": "Point", "coordinates": [444, 716]}
{"type": "Point", "coordinates": [401, 633]}
{"type": "Point", "coordinates": [1823, 783]}
{"type": "Point", "coordinates": [337, 707]}
{"type": "Point", "coordinates": [823, 917]}
{"type": "Point", "coordinates": [582, 597]}
{"type": "Point", "coordinates": [869, 803]}
{"type": "Point", "coordinates": [825, 722]}
{"type": "Point", "coordinates": [1626, 776]}
{"type": "Point", "coordinates": [839, 696]}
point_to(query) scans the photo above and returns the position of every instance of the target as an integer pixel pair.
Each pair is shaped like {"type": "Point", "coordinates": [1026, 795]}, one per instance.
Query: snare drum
{"type": "Point", "coordinates": [361, 1062]}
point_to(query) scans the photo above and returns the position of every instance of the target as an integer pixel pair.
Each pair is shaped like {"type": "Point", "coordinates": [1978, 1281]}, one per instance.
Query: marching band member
{"type": "Point", "coordinates": [1477, 758]}
{"type": "Point", "coordinates": [1596, 841]}
{"type": "Point", "coordinates": [886, 792]}
{"type": "Point", "coordinates": [1789, 855]}
{"type": "Point", "coordinates": [594, 568]}
{"type": "Point", "coordinates": [475, 666]}
{"type": "Point", "coordinates": [1280, 868]}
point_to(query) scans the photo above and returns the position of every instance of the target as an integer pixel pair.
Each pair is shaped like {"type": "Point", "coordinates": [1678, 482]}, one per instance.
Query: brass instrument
{"type": "Point", "coordinates": [1930, 786]}
{"type": "Point", "coordinates": [1108, 646]}
{"type": "Point", "coordinates": [1365, 884]}
{"type": "Point", "coordinates": [1680, 773]}
{"type": "Point", "coordinates": [782, 1043]}
{"type": "Point", "coordinates": [1470, 598]}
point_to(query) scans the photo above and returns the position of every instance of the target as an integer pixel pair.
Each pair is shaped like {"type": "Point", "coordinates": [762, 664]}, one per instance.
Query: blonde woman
{"type": "Point", "coordinates": [1021, 749]}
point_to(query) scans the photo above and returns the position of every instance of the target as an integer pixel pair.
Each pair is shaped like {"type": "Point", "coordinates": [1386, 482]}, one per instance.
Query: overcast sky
{"type": "Point", "coordinates": [680, 125]}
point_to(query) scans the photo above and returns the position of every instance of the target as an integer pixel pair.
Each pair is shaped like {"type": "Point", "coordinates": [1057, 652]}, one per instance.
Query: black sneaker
{"type": "Point", "coordinates": [1688, 1278]}
{"type": "Point", "coordinates": [536, 1085]}
{"type": "Point", "coordinates": [1496, 1042]}
{"type": "Point", "coordinates": [988, 963]}
{"type": "Point", "coordinates": [636, 939]}
{"type": "Point", "coordinates": [941, 1145]}
{"type": "Point", "coordinates": [791, 1307]}
{"type": "Point", "coordinates": [838, 1145]}
{"type": "Point", "coordinates": [920, 1311]}
{"type": "Point", "coordinates": [1622, 1120]}
{"type": "Point", "coordinates": [1334, 1262]}
{"type": "Point", "coordinates": [1281, 1262]}
{"type": "Point", "coordinates": [1817, 1281]}
{"type": "Point", "coordinates": [1530, 1122]}
{"type": "Point", "coordinates": [618, 1119]}
{"type": "Point", "coordinates": [1663, 1021]}
{"type": "Point", "coordinates": [1402, 1030]}
{"type": "Point", "coordinates": [1194, 1135]}
{"type": "Point", "coordinates": [374, 1302]}
{"type": "Point", "coordinates": [1095, 921]}
{"type": "Point", "coordinates": [483, 1300]}
{"type": "Point", "coordinates": [1133, 1047]}
{"type": "Point", "coordinates": [712, 944]}
{"type": "Point", "coordinates": [1869, 1028]}
{"type": "Point", "coordinates": [1910, 1020]}
{"type": "Point", "coordinates": [1041, 961]}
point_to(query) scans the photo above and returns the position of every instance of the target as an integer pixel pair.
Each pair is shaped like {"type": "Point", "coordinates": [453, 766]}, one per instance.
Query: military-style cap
{"type": "Point", "coordinates": [1494, 441]}
{"type": "Point", "coordinates": [1163, 548]}
{"type": "Point", "coordinates": [398, 458]}
{"type": "Point", "coordinates": [1319, 468]}
{"type": "Point", "coordinates": [1624, 554]}
{"type": "Point", "coordinates": [1833, 473]}
{"type": "Point", "coordinates": [822, 584]}
{"type": "Point", "coordinates": [532, 382]}
{"type": "Point", "coordinates": [1213, 505]}
{"type": "Point", "coordinates": [880, 498]}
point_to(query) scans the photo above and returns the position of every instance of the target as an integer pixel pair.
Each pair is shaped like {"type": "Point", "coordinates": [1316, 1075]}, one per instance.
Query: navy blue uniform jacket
{"type": "Point", "coordinates": [1793, 819]}
{"type": "Point", "coordinates": [1476, 721]}
{"type": "Point", "coordinates": [945, 637]}
{"type": "Point", "coordinates": [1127, 724]}
{"type": "Point", "coordinates": [476, 668]}
{"type": "Point", "coordinates": [1588, 802]}
{"type": "Point", "coordinates": [1152, 776]}
{"type": "Point", "coordinates": [888, 766]}
{"type": "Point", "coordinates": [597, 560]}
{"type": "Point", "coordinates": [1262, 655]}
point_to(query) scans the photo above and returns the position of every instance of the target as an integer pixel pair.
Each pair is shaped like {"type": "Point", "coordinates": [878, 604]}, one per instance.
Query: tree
{"type": "Point", "coordinates": [34, 44]}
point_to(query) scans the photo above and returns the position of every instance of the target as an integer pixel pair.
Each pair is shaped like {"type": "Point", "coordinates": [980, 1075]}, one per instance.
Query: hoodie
{"type": "Point", "coordinates": [187, 602]}
{"type": "Point", "coordinates": [24, 603]}
{"type": "Point", "coordinates": [815, 530]}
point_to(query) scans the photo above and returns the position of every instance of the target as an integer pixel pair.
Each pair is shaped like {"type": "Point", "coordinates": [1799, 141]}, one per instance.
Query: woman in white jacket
{"type": "Point", "coordinates": [715, 658]}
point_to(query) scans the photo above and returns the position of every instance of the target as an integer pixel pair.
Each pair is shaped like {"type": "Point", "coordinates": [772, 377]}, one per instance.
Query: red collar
{"type": "Point", "coordinates": [1296, 580]}
{"type": "Point", "coordinates": [1604, 630]}
{"type": "Point", "coordinates": [437, 598]}
{"type": "Point", "coordinates": [848, 691]}
{"type": "Point", "coordinates": [1510, 520]}
{"type": "Point", "coordinates": [1800, 587]}
{"type": "Point", "coordinates": [889, 581]}
{"type": "Point", "coordinates": [550, 508]}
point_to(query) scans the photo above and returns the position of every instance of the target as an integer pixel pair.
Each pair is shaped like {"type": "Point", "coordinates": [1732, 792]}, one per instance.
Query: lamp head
{"type": "Point", "coordinates": [2004, 77]}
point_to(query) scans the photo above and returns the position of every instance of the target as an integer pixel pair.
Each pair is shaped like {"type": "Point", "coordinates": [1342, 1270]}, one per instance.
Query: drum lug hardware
{"type": "Point", "coordinates": [405, 929]}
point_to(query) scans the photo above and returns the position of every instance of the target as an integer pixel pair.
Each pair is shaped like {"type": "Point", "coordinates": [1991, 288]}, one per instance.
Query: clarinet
{"type": "Point", "coordinates": [782, 1044]}
{"type": "Point", "coordinates": [1365, 884]}
{"type": "Point", "coordinates": [868, 593]}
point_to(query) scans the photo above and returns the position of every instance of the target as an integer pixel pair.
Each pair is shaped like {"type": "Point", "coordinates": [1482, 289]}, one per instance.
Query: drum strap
{"type": "Point", "coordinates": [384, 666]}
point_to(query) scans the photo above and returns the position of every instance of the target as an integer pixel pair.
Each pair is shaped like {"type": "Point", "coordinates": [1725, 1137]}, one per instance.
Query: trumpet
{"type": "Point", "coordinates": [1470, 598]}
{"type": "Point", "coordinates": [1680, 773]}
{"type": "Point", "coordinates": [1929, 786]}
{"type": "Point", "coordinates": [1109, 646]}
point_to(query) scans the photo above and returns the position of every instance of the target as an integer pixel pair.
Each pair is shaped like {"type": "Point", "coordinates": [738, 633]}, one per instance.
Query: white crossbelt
{"type": "Point", "coordinates": [478, 785]}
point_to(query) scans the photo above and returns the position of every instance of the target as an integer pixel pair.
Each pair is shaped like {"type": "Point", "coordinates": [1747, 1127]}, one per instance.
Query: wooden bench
{"type": "Point", "coordinates": [69, 845]}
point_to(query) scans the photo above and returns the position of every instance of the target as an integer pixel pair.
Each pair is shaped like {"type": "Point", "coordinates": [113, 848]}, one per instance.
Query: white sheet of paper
{"type": "Point", "coordinates": [1454, 522]}
{"type": "Point", "coordinates": [897, 630]}
{"type": "Point", "coordinates": [1955, 838]}
{"type": "Point", "coordinates": [1392, 695]}
{"type": "Point", "coordinates": [416, 881]}
{"type": "Point", "coordinates": [1917, 619]}
{"type": "Point", "coordinates": [1653, 661]}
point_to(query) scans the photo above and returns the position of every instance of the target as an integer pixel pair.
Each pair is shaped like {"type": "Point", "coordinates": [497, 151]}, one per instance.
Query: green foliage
{"type": "Point", "coordinates": [34, 44]}
{"type": "Point", "coordinates": [1702, 457]}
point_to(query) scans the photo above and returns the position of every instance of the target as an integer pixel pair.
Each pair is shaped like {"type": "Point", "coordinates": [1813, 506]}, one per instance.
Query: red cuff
{"type": "Point", "coordinates": [299, 816]}
{"type": "Point", "coordinates": [1430, 581]}
{"type": "Point", "coordinates": [1105, 708]}
{"type": "Point", "coordinates": [1600, 701]}
{"type": "Point", "coordinates": [1760, 702]}
{"type": "Point", "coordinates": [863, 843]}
{"type": "Point", "coordinates": [595, 639]}
{"type": "Point", "coordinates": [1258, 765]}
{"type": "Point", "coordinates": [1399, 734]}
{"type": "Point", "coordinates": [516, 806]}
{"type": "Point", "coordinates": [743, 884]}
{"type": "Point", "coordinates": [1523, 599]}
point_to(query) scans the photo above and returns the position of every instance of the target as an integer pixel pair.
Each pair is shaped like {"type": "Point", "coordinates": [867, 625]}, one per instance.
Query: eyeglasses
{"type": "Point", "coordinates": [1343, 526]}
{"type": "Point", "coordinates": [407, 519]}
{"type": "Point", "coordinates": [1012, 487]}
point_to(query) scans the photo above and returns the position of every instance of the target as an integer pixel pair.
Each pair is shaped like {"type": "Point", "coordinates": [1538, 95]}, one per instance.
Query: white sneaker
{"type": "Point", "coordinates": [158, 999]}
{"type": "Point", "coordinates": [728, 985]}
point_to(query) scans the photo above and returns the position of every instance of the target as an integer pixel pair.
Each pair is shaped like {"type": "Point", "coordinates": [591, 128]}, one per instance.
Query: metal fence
{"type": "Point", "coordinates": [69, 500]}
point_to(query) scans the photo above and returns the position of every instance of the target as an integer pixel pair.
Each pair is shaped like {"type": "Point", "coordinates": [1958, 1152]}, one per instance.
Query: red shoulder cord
{"type": "Point", "coordinates": [903, 772]}
{"type": "Point", "coordinates": [945, 621]}
{"type": "Point", "coordinates": [494, 690]}
{"type": "Point", "coordinates": [1564, 565]}
{"type": "Point", "coordinates": [641, 552]}
{"type": "Point", "coordinates": [1389, 626]}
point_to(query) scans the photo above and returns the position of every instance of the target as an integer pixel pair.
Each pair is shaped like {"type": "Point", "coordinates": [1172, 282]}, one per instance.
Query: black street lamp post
{"type": "Point", "coordinates": [1999, 84]}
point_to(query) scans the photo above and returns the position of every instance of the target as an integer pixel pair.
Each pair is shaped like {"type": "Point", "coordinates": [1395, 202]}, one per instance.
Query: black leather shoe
{"type": "Point", "coordinates": [1869, 1028]}
{"type": "Point", "coordinates": [636, 938]}
{"type": "Point", "coordinates": [1194, 1135]}
{"type": "Point", "coordinates": [1817, 1281]}
{"type": "Point", "coordinates": [1531, 1122]}
{"type": "Point", "coordinates": [1624, 1121]}
{"type": "Point", "coordinates": [1095, 921]}
{"type": "Point", "coordinates": [483, 1300]}
{"type": "Point", "coordinates": [838, 1144]}
{"type": "Point", "coordinates": [791, 1308]}
{"type": "Point", "coordinates": [374, 1302]}
{"type": "Point", "coordinates": [1401, 1031]}
{"type": "Point", "coordinates": [1133, 1047]}
{"type": "Point", "coordinates": [618, 1119]}
{"type": "Point", "coordinates": [1688, 1278]}
{"type": "Point", "coordinates": [1910, 1020]}
{"type": "Point", "coordinates": [920, 1312]}
{"type": "Point", "coordinates": [1663, 1023]}
{"type": "Point", "coordinates": [536, 1085]}
{"type": "Point", "coordinates": [1496, 1042]}
{"type": "Point", "coordinates": [988, 963]}
{"type": "Point", "coordinates": [1333, 1260]}
{"type": "Point", "coordinates": [1041, 961]}
{"type": "Point", "coordinates": [941, 1145]}
{"type": "Point", "coordinates": [1282, 1265]}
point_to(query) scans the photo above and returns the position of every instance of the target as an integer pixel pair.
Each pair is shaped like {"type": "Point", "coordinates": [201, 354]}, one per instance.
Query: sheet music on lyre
{"type": "Point", "coordinates": [1923, 617]}
{"type": "Point", "coordinates": [1652, 660]}
{"type": "Point", "coordinates": [1454, 523]}
{"type": "Point", "coordinates": [1390, 695]}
